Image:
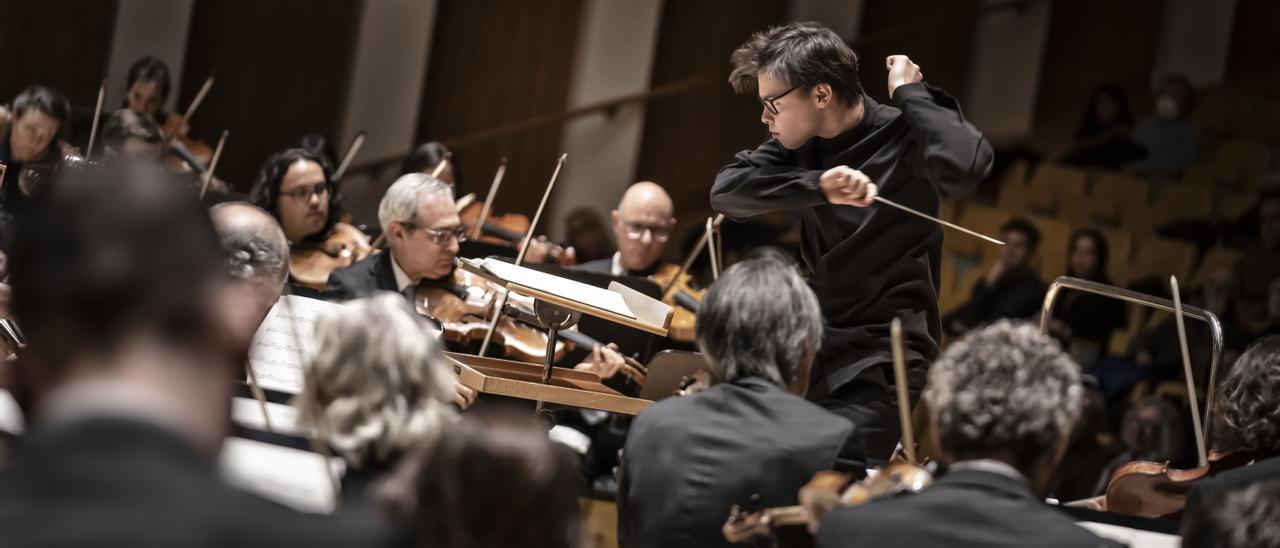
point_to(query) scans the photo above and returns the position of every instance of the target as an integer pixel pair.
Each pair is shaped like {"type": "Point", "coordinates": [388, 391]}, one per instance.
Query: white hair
{"type": "Point", "coordinates": [377, 383]}
{"type": "Point", "coordinates": [400, 203]}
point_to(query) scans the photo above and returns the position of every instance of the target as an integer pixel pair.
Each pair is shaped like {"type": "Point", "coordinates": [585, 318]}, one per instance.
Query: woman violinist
{"type": "Point", "coordinates": [296, 187]}
{"type": "Point", "coordinates": [29, 147]}
{"type": "Point", "coordinates": [148, 87]}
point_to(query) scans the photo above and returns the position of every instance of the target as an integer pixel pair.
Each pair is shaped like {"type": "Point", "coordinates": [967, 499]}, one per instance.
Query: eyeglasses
{"type": "Point", "coordinates": [769, 102]}
{"type": "Point", "coordinates": [440, 236]}
{"type": "Point", "coordinates": [305, 193]}
{"type": "Point", "coordinates": [635, 231]}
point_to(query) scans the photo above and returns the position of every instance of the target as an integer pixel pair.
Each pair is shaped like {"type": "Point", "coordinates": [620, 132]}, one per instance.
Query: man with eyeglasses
{"type": "Point", "coordinates": [642, 225]}
{"type": "Point", "coordinates": [833, 151]}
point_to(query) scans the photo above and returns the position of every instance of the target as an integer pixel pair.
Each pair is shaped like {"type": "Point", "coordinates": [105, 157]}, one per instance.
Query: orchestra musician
{"type": "Point", "coordinates": [257, 263]}
{"type": "Point", "coordinates": [126, 133]}
{"type": "Point", "coordinates": [689, 458]}
{"type": "Point", "coordinates": [423, 233]}
{"type": "Point", "coordinates": [832, 151]}
{"type": "Point", "coordinates": [147, 88]}
{"type": "Point", "coordinates": [642, 224]}
{"type": "Point", "coordinates": [28, 143]}
{"type": "Point", "coordinates": [1002, 402]}
{"type": "Point", "coordinates": [116, 278]}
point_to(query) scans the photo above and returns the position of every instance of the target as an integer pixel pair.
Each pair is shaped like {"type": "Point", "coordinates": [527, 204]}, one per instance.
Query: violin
{"type": "Point", "coordinates": [197, 149]}
{"type": "Point", "coordinates": [508, 229]}
{"type": "Point", "coordinates": [683, 299]}
{"type": "Point", "coordinates": [59, 156]}
{"type": "Point", "coordinates": [1155, 490]}
{"type": "Point", "coordinates": [311, 264]}
{"type": "Point", "coordinates": [827, 490]}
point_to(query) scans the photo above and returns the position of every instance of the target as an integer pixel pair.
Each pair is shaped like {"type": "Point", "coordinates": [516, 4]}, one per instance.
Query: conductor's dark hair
{"type": "Point", "coordinates": [126, 124]}
{"type": "Point", "coordinates": [108, 254]}
{"type": "Point", "coordinates": [800, 54]}
{"type": "Point", "coordinates": [266, 190]}
{"type": "Point", "coordinates": [44, 99]}
{"type": "Point", "coordinates": [1240, 518]}
{"type": "Point", "coordinates": [504, 483]}
{"type": "Point", "coordinates": [1247, 407]}
{"type": "Point", "coordinates": [1024, 227]}
{"type": "Point", "coordinates": [150, 69]}
{"type": "Point", "coordinates": [425, 157]}
{"type": "Point", "coordinates": [761, 320]}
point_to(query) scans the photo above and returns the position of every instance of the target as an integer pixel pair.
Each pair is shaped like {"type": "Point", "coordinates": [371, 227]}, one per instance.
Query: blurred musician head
{"type": "Point", "coordinates": [257, 260]}
{"type": "Point", "coordinates": [376, 384]}
{"type": "Point", "coordinates": [760, 319]}
{"type": "Point", "coordinates": [1008, 393]}
{"type": "Point", "coordinates": [1244, 518]}
{"type": "Point", "coordinates": [127, 133]}
{"type": "Point", "coordinates": [502, 480]}
{"type": "Point", "coordinates": [296, 186]}
{"type": "Point", "coordinates": [642, 225]}
{"type": "Point", "coordinates": [426, 157]}
{"type": "Point", "coordinates": [806, 78]}
{"type": "Point", "coordinates": [147, 87]}
{"type": "Point", "coordinates": [1244, 413]}
{"type": "Point", "coordinates": [38, 114]}
{"type": "Point", "coordinates": [422, 226]}
{"type": "Point", "coordinates": [116, 277]}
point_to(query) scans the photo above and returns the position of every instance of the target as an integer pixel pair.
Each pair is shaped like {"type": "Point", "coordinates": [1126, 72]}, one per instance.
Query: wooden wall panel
{"type": "Point", "coordinates": [1252, 61]}
{"type": "Point", "coordinates": [281, 71]}
{"type": "Point", "coordinates": [494, 62]}
{"type": "Point", "coordinates": [936, 35]}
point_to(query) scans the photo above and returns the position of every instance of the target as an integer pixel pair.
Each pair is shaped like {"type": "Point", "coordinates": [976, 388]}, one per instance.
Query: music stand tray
{"type": "Point", "coordinates": [524, 381]}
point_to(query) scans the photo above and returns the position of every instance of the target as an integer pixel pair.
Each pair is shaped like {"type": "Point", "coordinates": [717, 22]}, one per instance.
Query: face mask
{"type": "Point", "coordinates": [1166, 107]}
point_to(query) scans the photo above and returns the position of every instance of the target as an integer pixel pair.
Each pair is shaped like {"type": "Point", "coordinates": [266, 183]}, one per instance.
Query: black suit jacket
{"type": "Point", "coordinates": [1206, 490]}
{"type": "Point", "coordinates": [599, 266]}
{"type": "Point", "coordinates": [122, 482]}
{"type": "Point", "coordinates": [964, 508]}
{"type": "Point", "coordinates": [371, 274]}
{"type": "Point", "coordinates": [689, 459]}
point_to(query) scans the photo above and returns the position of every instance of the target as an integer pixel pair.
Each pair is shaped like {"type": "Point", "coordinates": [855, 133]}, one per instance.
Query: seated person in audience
{"type": "Point", "coordinates": [1103, 137]}
{"type": "Point", "coordinates": [1260, 265]}
{"type": "Point", "coordinates": [375, 386]}
{"type": "Point", "coordinates": [1245, 419]}
{"type": "Point", "coordinates": [1012, 287]}
{"type": "Point", "coordinates": [642, 224]}
{"type": "Point", "coordinates": [1157, 348]}
{"type": "Point", "coordinates": [116, 281]}
{"type": "Point", "coordinates": [1002, 402]}
{"type": "Point", "coordinates": [487, 481]}
{"type": "Point", "coordinates": [257, 262]}
{"type": "Point", "coordinates": [1169, 137]}
{"type": "Point", "coordinates": [1084, 322]}
{"type": "Point", "coordinates": [689, 459]}
{"type": "Point", "coordinates": [126, 133]}
{"type": "Point", "coordinates": [1152, 431]}
{"type": "Point", "coordinates": [28, 143]}
{"type": "Point", "coordinates": [1246, 518]}
{"type": "Point", "coordinates": [1272, 326]}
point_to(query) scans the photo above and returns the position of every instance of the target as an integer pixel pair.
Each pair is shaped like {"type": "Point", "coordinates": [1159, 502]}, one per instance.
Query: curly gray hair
{"type": "Point", "coordinates": [400, 203]}
{"type": "Point", "coordinates": [760, 320]}
{"type": "Point", "coordinates": [376, 384]}
{"type": "Point", "coordinates": [1006, 388]}
{"type": "Point", "coordinates": [1247, 408]}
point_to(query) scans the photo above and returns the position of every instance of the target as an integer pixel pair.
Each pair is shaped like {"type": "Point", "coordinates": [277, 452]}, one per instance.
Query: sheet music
{"type": "Point", "coordinates": [248, 412]}
{"type": "Point", "coordinates": [1134, 538]}
{"type": "Point", "coordinates": [570, 289]}
{"type": "Point", "coordinates": [283, 474]}
{"type": "Point", "coordinates": [285, 340]}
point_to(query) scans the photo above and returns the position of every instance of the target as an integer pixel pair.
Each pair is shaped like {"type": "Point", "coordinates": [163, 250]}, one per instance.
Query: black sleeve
{"type": "Point", "coordinates": [953, 154]}
{"type": "Point", "coordinates": [974, 310]}
{"type": "Point", "coordinates": [852, 458]}
{"type": "Point", "coordinates": [761, 181]}
{"type": "Point", "coordinates": [624, 537]}
{"type": "Point", "coordinates": [339, 288]}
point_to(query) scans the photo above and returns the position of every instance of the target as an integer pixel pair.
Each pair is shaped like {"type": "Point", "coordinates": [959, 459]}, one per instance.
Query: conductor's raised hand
{"type": "Point", "coordinates": [844, 185]}
{"type": "Point", "coordinates": [902, 71]}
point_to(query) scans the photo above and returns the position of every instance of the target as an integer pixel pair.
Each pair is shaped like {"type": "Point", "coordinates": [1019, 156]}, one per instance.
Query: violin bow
{"type": "Point", "coordinates": [693, 255]}
{"type": "Point", "coordinates": [713, 249]}
{"type": "Point", "coordinates": [926, 216]}
{"type": "Point", "coordinates": [488, 200]}
{"type": "Point", "coordinates": [191, 110]}
{"type": "Point", "coordinates": [1186, 369]}
{"type": "Point", "coordinates": [900, 382]}
{"type": "Point", "coordinates": [351, 155]}
{"type": "Point", "coordinates": [524, 247]}
{"type": "Point", "coordinates": [444, 161]}
{"type": "Point", "coordinates": [97, 116]}
{"type": "Point", "coordinates": [207, 176]}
